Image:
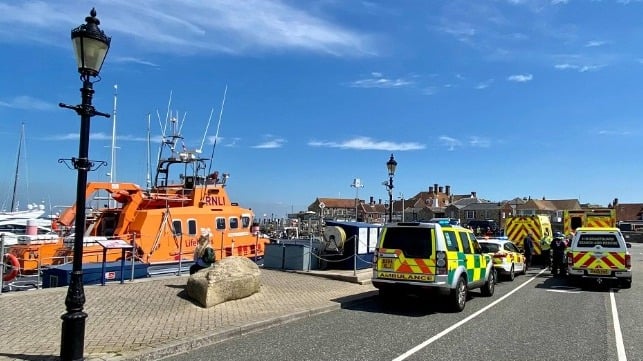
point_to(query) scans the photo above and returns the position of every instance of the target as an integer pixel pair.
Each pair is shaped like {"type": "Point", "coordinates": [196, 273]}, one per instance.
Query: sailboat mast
{"type": "Point", "coordinates": [15, 179]}
{"type": "Point", "coordinates": [112, 168]}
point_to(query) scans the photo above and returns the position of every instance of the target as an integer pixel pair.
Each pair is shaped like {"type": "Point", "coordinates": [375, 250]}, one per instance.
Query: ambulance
{"type": "Point", "coordinates": [537, 226]}
{"type": "Point", "coordinates": [602, 217]}
{"type": "Point", "coordinates": [440, 258]}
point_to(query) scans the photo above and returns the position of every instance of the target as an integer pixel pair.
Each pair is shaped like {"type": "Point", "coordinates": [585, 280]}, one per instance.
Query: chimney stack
{"type": "Point", "coordinates": [447, 189]}
{"type": "Point", "coordinates": [440, 189]}
{"type": "Point", "coordinates": [473, 195]}
{"type": "Point", "coordinates": [435, 187]}
{"type": "Point", "coordinates": [431, 190]}
{"type": "Point", "coordinates": [371, 201]}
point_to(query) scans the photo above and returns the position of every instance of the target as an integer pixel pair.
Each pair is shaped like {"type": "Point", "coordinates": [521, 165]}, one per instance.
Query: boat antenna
{"type": "Point", "coordinates": [216, 136]}
{"type": "Point", "coordinates": [205, 134]}
{"type": "Point", "coordinates": [15, 179]}
{"type": "Point", "coordinates": [167, 114]}
{"type": "Point", "coordinates": [148, 179]}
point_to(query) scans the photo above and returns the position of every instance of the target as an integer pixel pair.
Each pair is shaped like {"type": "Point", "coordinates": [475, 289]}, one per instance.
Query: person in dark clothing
{"type": "Point", "coordinates": [558, 246]}
{"type": "Point", "coordinates": [528, 247]}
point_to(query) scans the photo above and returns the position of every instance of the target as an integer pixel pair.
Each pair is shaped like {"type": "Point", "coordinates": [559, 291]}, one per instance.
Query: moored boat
{"type": "Point", "coordinates": [161, 224]}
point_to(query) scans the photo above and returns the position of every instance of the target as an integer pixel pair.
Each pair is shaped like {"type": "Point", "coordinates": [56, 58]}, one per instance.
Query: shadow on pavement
{"type": "Point", "coordinates": [20, 356]}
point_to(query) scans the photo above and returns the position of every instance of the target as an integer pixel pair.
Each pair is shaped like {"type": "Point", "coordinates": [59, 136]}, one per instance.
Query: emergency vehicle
{"type": "Point", "coordinates": [600, 254]}
{"type": "Point", "coordinates": [602, 217]}
{"type": "Point", "coordinates": [414, 257]}
{"type": "Point", "coordinates": [537, 226]}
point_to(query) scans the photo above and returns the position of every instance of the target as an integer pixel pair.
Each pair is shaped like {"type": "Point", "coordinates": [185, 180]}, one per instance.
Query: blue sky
{"type": "Point", "coordinates": [507, 98]}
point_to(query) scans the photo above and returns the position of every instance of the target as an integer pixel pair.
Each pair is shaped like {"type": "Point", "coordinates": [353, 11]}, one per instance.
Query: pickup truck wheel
{"type": "Point", "coordinates": [458, 296]}
{"type": "Point", "coordinates": [490, 286]}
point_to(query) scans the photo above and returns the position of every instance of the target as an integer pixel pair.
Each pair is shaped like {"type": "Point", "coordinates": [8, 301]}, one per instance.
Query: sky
{"type": "Point", "coordinates": [505, 98]}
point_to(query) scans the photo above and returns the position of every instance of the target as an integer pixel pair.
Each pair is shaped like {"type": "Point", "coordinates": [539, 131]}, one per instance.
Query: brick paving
{"type": "Point", "coordinates": [151, 318]}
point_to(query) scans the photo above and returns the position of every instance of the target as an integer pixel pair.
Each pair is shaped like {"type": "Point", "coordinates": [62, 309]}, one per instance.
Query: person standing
{"type": "Point", "coordinates": [528, 247]}
{"type": "Point", "coordinates": [203, 252]}
{"type": "Point", "coordinates": [545, 245]}
{"type": "Point", "coordinates": [558, 251]}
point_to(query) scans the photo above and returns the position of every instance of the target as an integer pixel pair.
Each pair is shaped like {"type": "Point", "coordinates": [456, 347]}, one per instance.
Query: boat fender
{"type": "Point", "coordinates": [13, 265]}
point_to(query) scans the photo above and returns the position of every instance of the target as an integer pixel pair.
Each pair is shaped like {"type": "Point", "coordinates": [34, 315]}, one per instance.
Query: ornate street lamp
{"type": "Point", "coordinates": [390, 165]}
{"type": "Point", "coordinates": [90, 48]}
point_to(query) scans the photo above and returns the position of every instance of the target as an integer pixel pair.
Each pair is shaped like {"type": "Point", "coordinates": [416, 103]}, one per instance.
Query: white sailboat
{"type": "Point", "coordinates": [15, 221]}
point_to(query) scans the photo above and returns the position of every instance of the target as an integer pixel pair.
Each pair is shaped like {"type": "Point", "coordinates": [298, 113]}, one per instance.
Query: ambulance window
{"type": "Point", "coordinates": [576, 222]}
{"type": "Point", "coordinates": [415, 242]}
{"type": "Point", "coordinates": [451, 241]}
{"type": "Point", "coordinates": [593, 240]}
{"type": "Point", "coordinates": [220, 223]}
{"type": "Point", "coordinates": [466, 247]}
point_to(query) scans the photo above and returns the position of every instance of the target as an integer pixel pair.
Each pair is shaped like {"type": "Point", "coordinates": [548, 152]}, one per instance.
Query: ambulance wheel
{"type": "Point", "coordinates": [458, 296]}
{"type": "Point", "coordinates": [626, 283]}
{"type": "Point", "coordinates": [490, 286]}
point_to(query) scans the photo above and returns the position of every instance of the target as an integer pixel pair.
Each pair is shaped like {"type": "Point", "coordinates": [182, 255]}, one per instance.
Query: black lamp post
{"type": "Point", "coordinates": [390, 165]}
{"type": "Point", "coordinates": [90, 48]}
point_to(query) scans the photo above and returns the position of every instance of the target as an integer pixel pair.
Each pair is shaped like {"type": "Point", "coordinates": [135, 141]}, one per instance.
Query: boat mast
{"type": "Point", "coordinates": [15, 179]}
{"type": "Point", "coordinates": [112, 168]}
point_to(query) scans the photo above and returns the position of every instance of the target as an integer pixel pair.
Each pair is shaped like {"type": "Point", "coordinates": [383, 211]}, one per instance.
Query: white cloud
{"type": "Point", "coordinates": [594, 43]}
{"type": "Point", "coordinates": [378, 80]}
{"type": "Point", "coordinates": [557, 2]}
{"type": "Point", "coordinates": [126, 59]}
{"type": "Point", "coordinates": [366, 143]}
{"type": "Point", "coordinates": [188, 26]}
{"type": "Point", "coordinates": [25, 102]}
{"type": "Point", "coordinates": [579, 68]}
{"type": "Point", "coordinates": [520, 78]}
{"type": "Point", "coordinates": [103, 136]}
{"type": "Point", "coordinates": [271, 143]}
{"type": "Point", "coordinates": [450, 143]}
{"type": "Point", "coordinates": [479, 142]}
{"type": "Point", "coordinates": [484, 84]}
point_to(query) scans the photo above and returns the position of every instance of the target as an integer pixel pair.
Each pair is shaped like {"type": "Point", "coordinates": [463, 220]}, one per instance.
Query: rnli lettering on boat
{"type": "Point", "coordinates": [214, 201]}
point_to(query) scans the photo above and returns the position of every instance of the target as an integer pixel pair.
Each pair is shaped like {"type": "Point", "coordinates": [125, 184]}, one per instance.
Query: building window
{"type": "Point", "coordinates": [470, 214]}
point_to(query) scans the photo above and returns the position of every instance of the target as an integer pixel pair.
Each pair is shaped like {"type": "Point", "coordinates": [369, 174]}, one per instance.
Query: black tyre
{"type": "Point", "coordinates": [490, 286]}
{"type": "Point", "coordinates": [458, 296]}
{"type": "Point", "coordinates": [512, 274]}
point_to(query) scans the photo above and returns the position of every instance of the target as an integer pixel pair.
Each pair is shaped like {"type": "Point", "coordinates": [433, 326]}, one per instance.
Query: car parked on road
{"type": "Point", "coordinates": [508, 260]}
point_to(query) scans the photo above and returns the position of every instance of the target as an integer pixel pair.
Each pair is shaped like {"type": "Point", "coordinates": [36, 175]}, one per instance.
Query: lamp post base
{"type": "Point", "coordinates": [73, 336]}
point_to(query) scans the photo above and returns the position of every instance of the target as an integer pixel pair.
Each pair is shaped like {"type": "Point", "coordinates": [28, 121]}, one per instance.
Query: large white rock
{"type": "Point", "coordinates": [231, 278]}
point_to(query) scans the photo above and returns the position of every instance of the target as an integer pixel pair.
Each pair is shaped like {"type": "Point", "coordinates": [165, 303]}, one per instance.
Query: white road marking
{"type": "Point", "coordinates": [620, 348]}
{"type": "Point", "coordinates": [462, 322]}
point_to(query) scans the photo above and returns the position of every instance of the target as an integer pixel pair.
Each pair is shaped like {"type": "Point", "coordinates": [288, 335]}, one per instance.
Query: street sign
{"type": "Point", "coordinates": [322, 205]}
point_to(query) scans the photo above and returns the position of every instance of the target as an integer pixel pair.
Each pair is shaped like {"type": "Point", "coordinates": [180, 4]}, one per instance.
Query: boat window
{"type": "Point", "coordinates": [192, 227]}
{"type": "Point", "coordinates": [177, 228]}
{"type": "Point", "coordinates": [234, 222]}
{"type": "Point", "coordinates": [245, 221]}
{"type": "Point", "coordinates": [220, 223]}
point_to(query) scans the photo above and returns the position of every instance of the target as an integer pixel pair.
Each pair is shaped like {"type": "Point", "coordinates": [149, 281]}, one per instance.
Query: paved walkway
{"type": "Point", "coordinates": [151, 318]}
